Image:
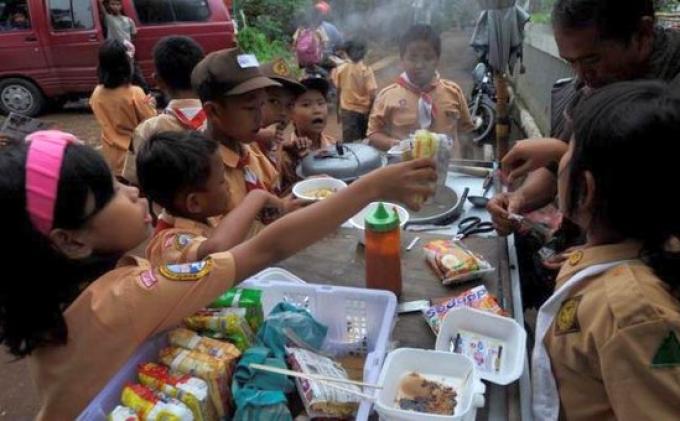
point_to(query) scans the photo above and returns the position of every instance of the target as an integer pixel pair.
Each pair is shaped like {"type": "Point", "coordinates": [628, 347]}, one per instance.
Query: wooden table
{"type": "Point", "coordinates": [339, 260]}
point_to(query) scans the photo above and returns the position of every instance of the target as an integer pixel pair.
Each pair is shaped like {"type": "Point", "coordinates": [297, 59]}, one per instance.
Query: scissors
{"type": "Point", "coordinates": [473, 225]}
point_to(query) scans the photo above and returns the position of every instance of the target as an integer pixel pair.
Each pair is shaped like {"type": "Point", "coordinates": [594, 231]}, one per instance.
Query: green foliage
{"type": "Point", "coordinates": [253, 40]}
{"type": "Point", "coordinates": [277, 19]}
{"type": "Point", "coordinates": [541, 18]}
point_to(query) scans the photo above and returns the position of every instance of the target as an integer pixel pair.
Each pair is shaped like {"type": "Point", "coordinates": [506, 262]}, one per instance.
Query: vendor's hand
{"type": "Point", "coordinates": [500, 207]}
{"type": "Point", "coordinates": [408, 182]}
{"type": "Point", "coordinates": [531, 154]}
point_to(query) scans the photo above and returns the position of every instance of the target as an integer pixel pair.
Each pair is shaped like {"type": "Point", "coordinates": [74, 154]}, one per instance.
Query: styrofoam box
{"type": "Point", "coordinates": [349, 313]}
{"type": "Point", "coordinates": [439, 366]}
{"type": "Point", "coordinates": [503, 329]}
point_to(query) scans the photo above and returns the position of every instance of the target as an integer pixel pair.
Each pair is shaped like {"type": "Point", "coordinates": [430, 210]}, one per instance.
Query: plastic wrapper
{"type": "Point", "coordinates": [223, 351]}
{"type": "Point", "coordinates": [208, 368]}
{"type": "Point", "coordinates": [249, 299]}
{"type": "Point", "coordinates": [477, 297]}
{"type": "Point", "coordinates": [320, 399]}
{"type": "Point", "coordinates": [122, 413]}
{"type": "Point", "coordinates": [453, 262]}
{"type": "Point", "coordinates": [484, 351]}
{"type": "Point", "coordinates": [226, 323]}
{"type": "Point", "coordinates": [154, 406]}
{"type": "Point", "coordinates": [191, 391]}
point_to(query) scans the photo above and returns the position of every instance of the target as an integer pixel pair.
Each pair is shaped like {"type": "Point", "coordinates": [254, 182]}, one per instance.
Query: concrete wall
{"type": "Point", "coordinates": [543, 68]}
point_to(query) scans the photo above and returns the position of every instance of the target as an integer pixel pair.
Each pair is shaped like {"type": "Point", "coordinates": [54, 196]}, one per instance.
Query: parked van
{"type": "Point", "coordinates": [48, 48]}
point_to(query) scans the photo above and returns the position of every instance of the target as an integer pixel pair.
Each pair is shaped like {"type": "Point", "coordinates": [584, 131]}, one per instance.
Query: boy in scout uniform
{"type": "Point", "coordinates": [184, 173]}
{"type": "Point", "coordinates": [608, 339]}
{"type": "Point", "coordinates": [232, 90]}
{"type": "Point", "coordinates": [419, 99]}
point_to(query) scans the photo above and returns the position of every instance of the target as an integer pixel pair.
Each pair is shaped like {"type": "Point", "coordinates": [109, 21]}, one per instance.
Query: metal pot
{"type": "Point", "coordinates": [347, 161]}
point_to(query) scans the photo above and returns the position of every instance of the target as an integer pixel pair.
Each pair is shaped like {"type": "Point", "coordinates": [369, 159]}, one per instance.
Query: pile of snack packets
{"type": "Point", "coordinates": [192, 377]}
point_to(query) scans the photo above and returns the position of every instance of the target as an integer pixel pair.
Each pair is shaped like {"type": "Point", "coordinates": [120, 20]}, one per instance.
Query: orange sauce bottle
{"type": "Point", "coordinates": [383, 250]}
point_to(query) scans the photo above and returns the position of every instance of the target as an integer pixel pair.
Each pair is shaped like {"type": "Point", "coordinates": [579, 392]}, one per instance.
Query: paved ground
{"type": "Point", "coordinates": [18, 398]}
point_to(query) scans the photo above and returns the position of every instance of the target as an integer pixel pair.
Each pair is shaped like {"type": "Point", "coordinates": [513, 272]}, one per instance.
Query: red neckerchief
{"type": "Point", "coordinates": [194, 123]}
{"type": "Point", "coordinates": [162, 225]}
{"type": "Point", "coordinates": [252, 180]}
{"type": "Point", "coordinates": [424, 93]}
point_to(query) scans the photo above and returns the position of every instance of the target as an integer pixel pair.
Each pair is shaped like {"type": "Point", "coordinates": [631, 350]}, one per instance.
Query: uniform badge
{"type": "Point", "coordinates": [187, 271]}
{"type": "Point", "coordinates": [575, 257]}
{"type": "Point", "coordinates": [668, 354]}
{"type": "Point", "coordinates": [281, 68]}
{"type": "Point", "coordinates": [148, 279]}
{"type": "Point", "coordinates": [182, 240]}
{"type": "Point", "coordinates": [567, 318]}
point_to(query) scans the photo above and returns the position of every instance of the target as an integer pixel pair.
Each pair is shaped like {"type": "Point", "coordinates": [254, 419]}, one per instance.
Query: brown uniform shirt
{"type": "Point", "coordinates": [356, 82]}
{"type": "Point", "coordinates": [119, 111]}
{"type": "Point", "coordinates": [606, 336]}
{"type": "Point", "coordinates": [111, 318]}
{"type": "Point", "coordinates": [395, 111]}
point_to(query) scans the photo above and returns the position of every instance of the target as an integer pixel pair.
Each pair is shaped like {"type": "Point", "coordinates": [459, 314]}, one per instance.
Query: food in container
{"type": "Point", "coordinates": [420, 394]}
{"type": "Point", "coordinates": [154, 406]}
{"type": "Point", "coordinates": [122, 413]}
{"type": "Point", "coordinates": [224, 323]}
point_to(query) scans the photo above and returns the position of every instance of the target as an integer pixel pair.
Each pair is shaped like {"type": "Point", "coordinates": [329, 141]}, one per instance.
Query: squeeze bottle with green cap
{"type": "Point", "coordinates": [383, 249]}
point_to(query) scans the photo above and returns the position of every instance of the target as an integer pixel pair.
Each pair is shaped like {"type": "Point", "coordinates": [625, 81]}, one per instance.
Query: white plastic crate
{"type": "Point", "coordinates": [357, 320]}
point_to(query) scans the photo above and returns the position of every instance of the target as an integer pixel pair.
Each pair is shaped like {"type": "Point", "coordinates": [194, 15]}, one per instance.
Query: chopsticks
{"type": "Point", "coordinates": [330, 381]}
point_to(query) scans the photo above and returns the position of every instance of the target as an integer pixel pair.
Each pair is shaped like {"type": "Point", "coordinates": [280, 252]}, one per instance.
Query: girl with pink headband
{"type": "Point", "coordinates": [77, 306]}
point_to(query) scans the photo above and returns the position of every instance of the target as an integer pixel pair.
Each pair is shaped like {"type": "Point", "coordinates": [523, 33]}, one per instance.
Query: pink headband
{"type": "Point", "coordinates": [43, 166]}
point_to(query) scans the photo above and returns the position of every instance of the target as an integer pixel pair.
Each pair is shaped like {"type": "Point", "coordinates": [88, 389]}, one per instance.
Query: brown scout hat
{"type": "Point", "coordinates": [279, 71]}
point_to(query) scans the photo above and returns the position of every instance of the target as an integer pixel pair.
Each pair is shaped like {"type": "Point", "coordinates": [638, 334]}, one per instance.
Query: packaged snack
{"type": "Point", "coordinates": [223, 351]}
{"type": "Point", "coordinates": [485, 352]}
{"type": "Point", "coordinates": [205, 367]}
{"type": "Point", "coordinates": [225, 323]}
{"type": "Point", "coordinates": [191, 391]}
{"type": "Point", "coordinates": [453, 262]}
{"type": "Point", "coordinates": [321, 400]}
{"type": "Point", "coordinates": [477, 297]}
{"type": "Point", "coordinates": [154, 406]}
{"type": "Point", "coordinates": [122, 413]}
{"type": "Point", "coordinates": [250, 299]}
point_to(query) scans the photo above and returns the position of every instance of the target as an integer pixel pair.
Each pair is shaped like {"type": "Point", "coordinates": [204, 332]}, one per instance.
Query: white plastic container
{"type": "Point", "coordinates": [499, 328]}
{"type": "Point", "coordinates": [357, 319]}
{"type": "Point", "coordinates": [357, 221]}
{"type": "Point", "coordinates": [303, 189]}
{"type": "Point", "coordinates": [450, 368]}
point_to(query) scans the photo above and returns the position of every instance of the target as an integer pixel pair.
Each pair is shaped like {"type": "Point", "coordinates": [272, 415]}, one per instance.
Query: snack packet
{"type": "Point", "coordinates": [484, 351]}
{"type": "Point", "coordinates": [477, 297]}
{"type": "Point", "coordinates": [321, 400]}
{"type": "Point", "coordinates": [425, 144]}
{"type": "Point", "coordinates": [225, 323]}
{"type": "Point", "coordinates": [453, 262]}
{"type": "Point", "coordinates": [223, 351]}
{"type": "Point", "coordinates": [122, 413]}
{"type": "Point", "coordinates": [152, 406]}
{"type": "Point", "coordinates": [205, 367]}
{"type": "Point", "coordinates": [191, 391]}
{"type": "Point", "coordinates": [250, 299]}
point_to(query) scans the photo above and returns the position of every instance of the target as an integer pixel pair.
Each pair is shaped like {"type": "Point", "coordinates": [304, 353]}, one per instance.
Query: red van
{"type": "Point", "coordinates": [48, 48]}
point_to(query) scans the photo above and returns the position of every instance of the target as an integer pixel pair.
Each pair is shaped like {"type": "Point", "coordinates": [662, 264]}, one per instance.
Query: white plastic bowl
{"type": "Point", "coordinates": [445, 367]}
{"type": "Point", "coordinates": [357, 220]}
{"type": "Point", "coordinates": [304, 188]}
{"type": "Point", "coordinates": [503, 329]}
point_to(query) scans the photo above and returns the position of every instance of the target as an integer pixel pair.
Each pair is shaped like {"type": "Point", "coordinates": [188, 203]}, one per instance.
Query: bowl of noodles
{"type": "Point", "coordinates": [317, 189]}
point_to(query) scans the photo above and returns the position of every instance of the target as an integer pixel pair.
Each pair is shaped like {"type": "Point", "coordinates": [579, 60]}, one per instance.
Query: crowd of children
{"type": "Point", "coordinates": [219, 164]}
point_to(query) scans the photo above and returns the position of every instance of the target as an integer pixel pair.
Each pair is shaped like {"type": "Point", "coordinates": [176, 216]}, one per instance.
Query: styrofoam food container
{"type": "Point", "coordinates": [348, 313]}
{"type": "Point", "coordinates": [303, 188]}
{"type": "Point", "coordinates": [444, 367]}
{"type": "Point", "coordinates": [357, 221]}
{"type": "Point", "coordinates": [502, 329]}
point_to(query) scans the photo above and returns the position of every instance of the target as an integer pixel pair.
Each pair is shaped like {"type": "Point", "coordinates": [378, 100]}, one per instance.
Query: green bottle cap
{"type": "Point", "coordinates": [382, 219]}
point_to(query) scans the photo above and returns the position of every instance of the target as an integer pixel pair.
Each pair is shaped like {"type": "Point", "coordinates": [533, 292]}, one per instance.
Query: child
{"type": "Point", "coordinates": [183, 172]}
{"type": "Point", "coordinates": [310, 115]}
{"type": "Point", "coordinates": [607, 339]}
{"type": "Point", "coordinates": [118, 106]}
{"type": "Point", "coordinates": [278, 107]}
{"type": "Point", "coordinates": [356, 90]}
{"type": "Point", "coordinates": [83, 311]}
{"type": "Point", "coordinates": [419, 99]}
{"type": "Point", "coordinates": [174, 58]}
{"type": "Point", "coordinates": [232, 89]}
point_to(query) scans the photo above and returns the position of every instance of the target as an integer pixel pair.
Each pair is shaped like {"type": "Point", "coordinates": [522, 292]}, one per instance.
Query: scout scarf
{"type": "Point", "coordinates": [427, 110]}
{"type": "Point", "coordinates": [192, 118]}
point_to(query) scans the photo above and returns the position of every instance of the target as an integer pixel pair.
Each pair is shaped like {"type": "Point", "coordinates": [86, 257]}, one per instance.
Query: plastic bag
{"type": "Point", "coordinates": [250, 299]}
{"type": "Point", "coordinates": [453, 262]}
{"type": "Point", "coordinates": [225, 323]}
{"type": "Point", "coordinates": [154, 406]}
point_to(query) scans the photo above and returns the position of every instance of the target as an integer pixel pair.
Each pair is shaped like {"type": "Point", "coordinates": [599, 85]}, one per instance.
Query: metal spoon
{"type": "Point", "coordinates": [481, 201]}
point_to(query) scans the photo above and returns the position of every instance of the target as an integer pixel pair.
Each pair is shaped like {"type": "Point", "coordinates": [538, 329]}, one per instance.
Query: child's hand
{"type": "Point", "coordinates": [151, 101]}
{"type": "Point", "coordinates": [292, 203]}
{"type": "Point", "coordinates": [408, 182]}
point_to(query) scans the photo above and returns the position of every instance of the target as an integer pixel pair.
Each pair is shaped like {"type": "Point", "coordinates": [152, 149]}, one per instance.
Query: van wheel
{"type": "Point", "coordinates": [20, 96]}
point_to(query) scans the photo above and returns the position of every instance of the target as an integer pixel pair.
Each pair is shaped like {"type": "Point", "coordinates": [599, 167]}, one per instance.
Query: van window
{"type": "Point", "coordinates": [71, 14]}
{"type": "Point", "coordinates": [14, 16]}
{"type": "Point", "coordinates": [166, 11]}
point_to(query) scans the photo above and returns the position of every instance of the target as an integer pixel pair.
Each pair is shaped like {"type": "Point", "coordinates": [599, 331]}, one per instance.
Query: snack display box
{"type": "Point", "coordinates": [359, 321]}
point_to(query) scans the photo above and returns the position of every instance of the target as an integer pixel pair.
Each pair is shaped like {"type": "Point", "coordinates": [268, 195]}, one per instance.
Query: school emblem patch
{"type": "Point", "coordinates": [281, 68]}
{"type": "Point", "coordinates": [187, 271]}
{"type": "Point", "coordinates": [182, 240]}
{"type": "Point", "coordinates": [148, 279]}
{"type": "Point", "coordinates": [567, 318]}
{"type": "Point", "coordinates": [668, 354]}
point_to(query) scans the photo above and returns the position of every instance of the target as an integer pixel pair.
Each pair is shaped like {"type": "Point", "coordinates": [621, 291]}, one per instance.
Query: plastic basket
{"type": "Point", "coordinates": [358, 320]}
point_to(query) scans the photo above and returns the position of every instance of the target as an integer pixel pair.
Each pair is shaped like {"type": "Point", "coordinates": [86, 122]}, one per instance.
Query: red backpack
{"type": "Point", "coordinates": [308, 48]}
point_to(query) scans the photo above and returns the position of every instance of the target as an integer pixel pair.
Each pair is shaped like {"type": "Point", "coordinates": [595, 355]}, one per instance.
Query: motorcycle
{"type": "Point", "coordinates": [482, 103]}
